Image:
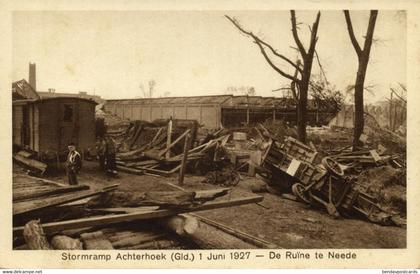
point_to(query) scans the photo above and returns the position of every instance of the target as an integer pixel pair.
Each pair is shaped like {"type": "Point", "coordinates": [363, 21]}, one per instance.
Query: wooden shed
{"type": "Point", "coordinates": [47, 126]}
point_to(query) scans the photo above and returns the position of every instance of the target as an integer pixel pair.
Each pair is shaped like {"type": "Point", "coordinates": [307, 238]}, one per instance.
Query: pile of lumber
{"type": "Point", "coordinates": [366, 159]}
{"type": "Point", "coordinates": [112, 219]}
{"type": "Point", "coordinates": [168, 158]}
{"type": "Point", "coordinates": [36, 197]}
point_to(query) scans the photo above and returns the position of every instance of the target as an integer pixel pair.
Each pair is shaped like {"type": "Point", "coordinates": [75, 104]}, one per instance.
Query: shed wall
{"type": "Point", "coordinates": [17, 118]}
{"type": "Point", "coordinates": [48, 126]}
{"type": "Point", "coordinates": [86, 138]}
{"type": "Point", "coordinates": [55, 133]}
{"type": "Point", "coordinates": [206, 114]}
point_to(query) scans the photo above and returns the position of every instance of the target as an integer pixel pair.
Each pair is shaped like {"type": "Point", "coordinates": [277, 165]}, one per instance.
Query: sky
{"type": "Point", "coordinates": [186, 53]}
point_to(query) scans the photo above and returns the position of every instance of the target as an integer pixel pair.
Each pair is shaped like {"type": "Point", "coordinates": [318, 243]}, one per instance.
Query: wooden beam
{"type": "Point", "coordinates": [47, 192]}
{"type": "Point", "coordinates": [168, 148]}
{"type": "Point", "coordinates": [130, 170]}
{"type": "Point", "coordinates": [31, 163]}
{"type": "Point", "coordinates": [33, 205]}
{"type": "Point", "coordinates": [143, 215]}
{"type": "Point", "coordinates": [239, 234]}
{"type": "Point", "coordinates": [168, 139]}
{"type": "Point", "coordinates": [204, 235]}
{"type": "Point", "coordinates": [187, 145]}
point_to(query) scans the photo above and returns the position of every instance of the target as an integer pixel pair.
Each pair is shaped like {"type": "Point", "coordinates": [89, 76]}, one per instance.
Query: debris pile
{"type": "Point", "coordinates": [158, 148]}
{"type": "Point", "coordinates": [344, 183]}
{"type": "Point", "coordinates": [115, 219]}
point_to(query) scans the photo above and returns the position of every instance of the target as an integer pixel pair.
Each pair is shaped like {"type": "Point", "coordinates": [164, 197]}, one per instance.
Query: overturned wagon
{"type": "Point", "coordinates": [46, 126]}
{"type": "Point", "coordinates": [293, 166]}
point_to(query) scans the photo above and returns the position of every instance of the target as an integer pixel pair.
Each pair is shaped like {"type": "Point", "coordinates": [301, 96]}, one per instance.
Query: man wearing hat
{"type": "Point", "coordinates": [73, 164]}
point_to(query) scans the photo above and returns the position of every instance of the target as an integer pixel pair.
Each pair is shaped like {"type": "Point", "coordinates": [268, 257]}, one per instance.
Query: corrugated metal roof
{"type": "Point", "coordinates": [213, 99]}
{"type": "Point", "coordinates": [36, 101]}
{"type": "Point", "coordinates": [225, 101]}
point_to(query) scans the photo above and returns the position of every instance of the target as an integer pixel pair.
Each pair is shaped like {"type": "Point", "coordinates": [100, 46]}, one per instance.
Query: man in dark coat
{"type": "Point", "coordinates": [73, 164]}
{"type": "Point", "coordinates": [100, 148]}
{"type": "Point", "coordinates": [110, 152]}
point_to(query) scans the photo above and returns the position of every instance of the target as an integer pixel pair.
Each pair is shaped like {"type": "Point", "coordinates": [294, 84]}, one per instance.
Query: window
{"type": "Point", "coordinates": [68, 113]}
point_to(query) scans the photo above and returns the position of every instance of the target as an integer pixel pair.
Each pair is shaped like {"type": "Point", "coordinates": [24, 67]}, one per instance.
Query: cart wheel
{"type": "Point", "coordinates": [299, 191]}
{"type": "Point", "coordinates": [332, 166]}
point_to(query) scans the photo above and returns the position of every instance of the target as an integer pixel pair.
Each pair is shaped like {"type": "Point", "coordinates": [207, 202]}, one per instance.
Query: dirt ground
{"type": "Point", "coordinates": [286, 223]}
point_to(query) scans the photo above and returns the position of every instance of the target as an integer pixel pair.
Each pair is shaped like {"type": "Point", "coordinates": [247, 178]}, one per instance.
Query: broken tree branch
{"type": "Point", "coordinates": [314, 32]}
{"type": "Point", "coordinates": [296, 36]}
{"type": "Point", "coordinates": [260, 43]}
{"type": "Point", "coordinates": [274, 66]}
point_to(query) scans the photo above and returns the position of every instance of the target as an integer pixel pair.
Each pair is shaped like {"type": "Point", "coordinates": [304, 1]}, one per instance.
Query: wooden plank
{"type": "Point", "coordinates": [206, 195]}
{"type": "Point", "coordinates": [24, 153]}
{"type": "Point", "coordinates": [143, 163]}
{"type": "Point", "coordinates": [156, 135]}
{"type": "Point", "coordinates": [242, 235]}
{"type": "Point", "coordinates": [22, 179]}
{"type": "Point", "coordinates": [375, 155]}
{"type": "Point", "coordinates": [174, 143]}
{"type": "Point", "coordinates": [130, 170]}
{"type": "Point", "coordinates": [96, 241]}
{"type": "Point", "coordinates": [168, 139]}
{"type": "Point", "coordinates": [202, 234]}
{"type": "Point", "coordinates": [143, 215]}
{"type": "Point", "coordinates": [187, 145]}
{"type": "Point", "coordinates": [31, 163]}
{"type": "Point", "coordinates": [119, 210]}
{"type": "Point", "coordinates": [29, 206]}
{"type": "Point", "coordinates": [50, 191]}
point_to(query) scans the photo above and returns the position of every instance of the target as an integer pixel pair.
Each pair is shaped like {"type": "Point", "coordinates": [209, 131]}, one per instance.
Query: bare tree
{"type": "Point", "coordinates": [242, 90]}
{"type": "Point", "coordinates": [363, 58]}
{"type": "Point", "coordinates": [152, 84]}
{"type": "Point", "coordinates": [150, 92]}
{"type": "Point", "coordinates": [301, 78]}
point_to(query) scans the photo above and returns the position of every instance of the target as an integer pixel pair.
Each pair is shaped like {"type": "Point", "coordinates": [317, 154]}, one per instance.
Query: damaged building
{"type": "Point", "coordinates": [218, 110]}
{"type": "Point", "coordinates": [47, 125]}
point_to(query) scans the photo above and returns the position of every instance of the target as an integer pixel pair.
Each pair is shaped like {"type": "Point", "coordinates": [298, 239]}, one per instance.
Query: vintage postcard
{"type": "Point", "coordinates": [202, 134]}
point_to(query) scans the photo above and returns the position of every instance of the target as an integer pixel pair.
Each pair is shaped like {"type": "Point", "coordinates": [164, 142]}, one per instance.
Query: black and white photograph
{"type": "Point", "coordinates": [281, 129]}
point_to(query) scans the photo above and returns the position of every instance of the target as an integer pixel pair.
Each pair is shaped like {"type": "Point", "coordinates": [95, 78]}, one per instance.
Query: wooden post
{"type": "Point", "coordinates": [184, 159]}
{"type": "Point", "coordinates": [169, 139]}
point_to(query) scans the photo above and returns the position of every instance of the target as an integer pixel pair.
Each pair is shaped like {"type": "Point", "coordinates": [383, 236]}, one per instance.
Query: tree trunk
{"type": "Point", "coordinates": [363, 57]}
{"type": "Point", "coordinates": [62, 242]}
{"type": "Point", "coordinates": [204, 235]}
{"type": "Point", "coordinates": [96, 241]}
{"type": "Point", "coordinates": [302, 114]}
{"type": "Point", "coordinates": [359, 120]}
{"type": "Point", "coordinates": [35, 237]}
{"type": "Point", "coordinates": [303, 96]}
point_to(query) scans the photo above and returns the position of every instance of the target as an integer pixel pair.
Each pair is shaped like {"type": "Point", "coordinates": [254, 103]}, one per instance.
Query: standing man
{"type": "Point", "coordinates": [73, 164]}
{"type": "Point", "coordinates": [100, 148]}
{"type": "Point", "coordinates": [111, 167]}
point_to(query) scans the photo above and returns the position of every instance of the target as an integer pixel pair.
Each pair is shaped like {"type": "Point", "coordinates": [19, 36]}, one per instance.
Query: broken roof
{"type": "Point", "coordinates": [227, 100]}
{"type": "Point", "coordinates": [22, 90]}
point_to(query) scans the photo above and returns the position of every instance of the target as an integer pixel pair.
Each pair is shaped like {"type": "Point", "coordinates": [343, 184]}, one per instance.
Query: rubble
{"type": "Point", "coordinates": [368, 183]}
{"type": "Point", "coordinates": [335, 183]}
{"type": "Point", "coordinates": [110, 208]}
